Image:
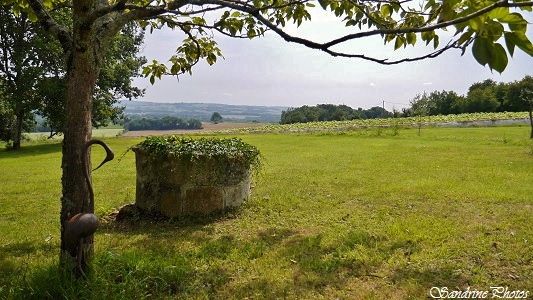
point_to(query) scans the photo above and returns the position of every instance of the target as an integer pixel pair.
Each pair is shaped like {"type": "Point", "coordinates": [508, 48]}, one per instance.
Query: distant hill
{"type": "Point", "coordinates": [203, 111]}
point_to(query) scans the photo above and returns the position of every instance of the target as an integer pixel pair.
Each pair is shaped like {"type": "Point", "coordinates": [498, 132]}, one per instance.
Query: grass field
{"type": "Point", "coordinates": [111, 131]}
{"type": "Point", "coordinates": [364, 214]}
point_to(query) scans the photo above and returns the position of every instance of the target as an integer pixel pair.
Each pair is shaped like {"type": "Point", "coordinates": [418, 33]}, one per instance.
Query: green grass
{"type": "Point", "coordinates": [365, 214]}
{"type": "Point", "coordinates": [109, 131]}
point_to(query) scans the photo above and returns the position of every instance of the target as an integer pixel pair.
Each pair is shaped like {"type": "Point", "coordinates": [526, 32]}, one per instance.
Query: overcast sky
{"type": "Point", "coordinates": [269, 71]}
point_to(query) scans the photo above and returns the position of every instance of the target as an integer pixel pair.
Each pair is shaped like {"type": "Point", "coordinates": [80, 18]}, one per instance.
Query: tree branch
{"type": "Point", "coordinates": [326, 46]}
{"type": "Point", "coordinates": [122, 12]}
{"type": "Point", "coordinates": [62, 33]}
{"type": "Point", "coordinates": [501, 3]}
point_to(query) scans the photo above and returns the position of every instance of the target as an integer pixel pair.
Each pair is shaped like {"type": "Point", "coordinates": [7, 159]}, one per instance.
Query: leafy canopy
{"type": "Point", "coordinates": [493, 29]}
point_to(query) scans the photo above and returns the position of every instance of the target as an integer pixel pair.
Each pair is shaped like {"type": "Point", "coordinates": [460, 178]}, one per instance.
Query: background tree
{"type": "Point", "coordinates": [480, 100]}
{"type": "Point", "coordinates": [165, 123]}
{"type": "Point", "coordinates": [96, 23]}
{"type": "Point", "coordinates": [514, 100]}
{"type": "Point", "coordinates": [420, 107]}
{"type": "Point", "coordinates": [34, 75]}
{"type": "Point", "coordinates": [20, 65]}
{"type": "Point", "coordinates": [377, 112]}
{"type": "Point", "coordinates": [121, 64]}
{"type": "Point", "coordinates": [527, 96]}
{"type": "Point", "coordinates": [330, 112]}
{"type": "Point", "coordinates": [485, 96]}
{"type": "Point", "coordinates": [216, 117]}
{"type": "Point", "coordinates": [443, 102]}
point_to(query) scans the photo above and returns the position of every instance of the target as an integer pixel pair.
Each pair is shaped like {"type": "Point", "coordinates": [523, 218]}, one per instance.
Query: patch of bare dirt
{"type": "Point", "coordinates": [207, 127]}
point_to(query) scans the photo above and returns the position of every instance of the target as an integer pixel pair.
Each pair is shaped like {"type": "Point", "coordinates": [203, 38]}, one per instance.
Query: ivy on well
{"type": "Point", "coordinates": [196, 150]}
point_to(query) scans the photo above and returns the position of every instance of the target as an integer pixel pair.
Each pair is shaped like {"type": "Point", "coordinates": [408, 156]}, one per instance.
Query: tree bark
{"type": "Point", "coordinates": [84, 46]}
{"type": "Point", "coordinates": [19, 123]}
{"type": "Point", "coordinates": [82, 72]}
{"type": "Point", "coordinates": [531, 117]}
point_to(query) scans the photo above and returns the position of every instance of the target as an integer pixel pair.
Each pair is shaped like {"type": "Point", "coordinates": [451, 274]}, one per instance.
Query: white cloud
{"type": "Point", "coordinates": [270, 71]}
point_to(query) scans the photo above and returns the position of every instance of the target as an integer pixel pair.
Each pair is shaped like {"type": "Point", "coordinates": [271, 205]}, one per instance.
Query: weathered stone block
{"type": "Point", "coordinates": [176, 186]}
{"type": "Point", "coordinates": [202, 200]}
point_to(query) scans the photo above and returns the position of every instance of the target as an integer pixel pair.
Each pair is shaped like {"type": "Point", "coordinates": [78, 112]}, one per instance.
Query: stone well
{"type": "Point", "coordinates": [176, 186]}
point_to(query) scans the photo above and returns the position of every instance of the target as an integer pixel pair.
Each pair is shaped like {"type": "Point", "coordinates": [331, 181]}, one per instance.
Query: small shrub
{"type": "Point", "coordinates": [395, 130]}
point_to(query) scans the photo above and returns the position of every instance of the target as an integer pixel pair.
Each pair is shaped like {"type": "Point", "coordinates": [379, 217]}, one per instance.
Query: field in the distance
{"type": "Point", "coordinates": [206, 127]}
{"type": "Point", "coordinates": [378, 213]}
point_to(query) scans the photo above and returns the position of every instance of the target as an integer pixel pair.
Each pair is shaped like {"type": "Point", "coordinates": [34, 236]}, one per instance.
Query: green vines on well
{"type": "Point", "coordinates": [226, 151]}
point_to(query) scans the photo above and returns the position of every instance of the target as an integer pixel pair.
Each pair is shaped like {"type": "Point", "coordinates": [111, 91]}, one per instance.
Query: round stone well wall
{"type": "Point", "coordinates": [176, 186]}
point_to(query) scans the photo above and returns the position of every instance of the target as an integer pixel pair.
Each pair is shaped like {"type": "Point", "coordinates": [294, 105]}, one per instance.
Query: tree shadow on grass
{"type": "Point", "coordinates": [21, 249]}
{"type": "Point", "coordinates": [187, 258]}
{"type": "Point", "coordinates": [218, 266]}
{"type": "Point", "coordinates": [316, 262]}
{"type": "Point", "coordinates": [422, 280]}
{"type": "Point", "coordinates": [28, 150]}
{"type": "Point", "coordinates": [320, 267]}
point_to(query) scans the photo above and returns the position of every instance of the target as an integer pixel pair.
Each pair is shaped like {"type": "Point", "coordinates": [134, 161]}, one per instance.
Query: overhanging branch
{"type": "Point", "coordinates": [256, 13]}
{"type": "Point", "coordinates": [122, 12]}
{"type": "Point", "coordinates": [442, 25]}
{"type": "Point", "coordinates": [62, 33]}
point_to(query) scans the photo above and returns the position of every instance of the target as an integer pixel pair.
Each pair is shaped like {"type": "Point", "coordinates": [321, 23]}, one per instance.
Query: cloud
{"type": "Point", "coordinates": [270, 71]}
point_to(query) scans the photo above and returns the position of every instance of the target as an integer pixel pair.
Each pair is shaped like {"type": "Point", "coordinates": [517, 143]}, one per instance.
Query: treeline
{"type": "Point", "coordinates": [331, 112]}
{"type": "Point", "coordinates": [165, 123]}
{"type": "Point", "coordinates": [486, 96]}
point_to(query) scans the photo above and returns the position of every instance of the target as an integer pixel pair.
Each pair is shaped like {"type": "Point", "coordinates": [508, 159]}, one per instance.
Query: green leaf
{"type": "Point", "coordinates": [324, 3]}
{"type": "Point", "coordinates": [495, 30]}
{"type": "Point", "coordinates": [351, 23]}
{"type": "Point", "coordinates": [499, 58]}
{"type": "Point", "coordinates": [481, 50]}
{"type": "Point", "coordinates": [32, 16]}
{"type": "Point", "coordinates": [447, 13]}
{"type": "Point", "coordinates": [427, 36]}
{"type": "Point", "coordinates": [510, 45]}
{"type": "Point", "coordinates": [251, 33]}
{"type": "Point", "coordinates": [16, 10]}
{"type": "Point", "coordinates": [476, 23]}
{"type": "Point", "coordinates": [386, 10]}
{"type": "Point", "coordinates": [411, 38]}
{"type": "Point", "coordinates": [519, 39]}
{"type": "Point", "coordinates": [513, 18]}
{"type": "Point", "coordinates": [519, 27]}
{"type": "Point", "coordinates": [429, 4]}
{"type": "Point", "coordinates": [399, 42]}
{"type": "Point", "coordinates": [48, 4]}
{"type": "Point", "coordinates": [498, 13]}
{"type": "Point", "coordinates": [465, 37]}
{"type": "Point", "coordinates": [175, 69]}
{"type": "Point", "coordinates": [486, 52]}
{"type": "Point", "coordinates": [389, 37]}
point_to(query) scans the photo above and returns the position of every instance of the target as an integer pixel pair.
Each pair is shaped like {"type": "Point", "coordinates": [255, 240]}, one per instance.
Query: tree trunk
{"type": "Point", "coordinates": [81, 77]}
{"type": "Point", "coordinates": [19, 123]}
{"type": "Point", "coordinates": [531, 118]}
{"type": "Point", "coordinates": [84, 53]}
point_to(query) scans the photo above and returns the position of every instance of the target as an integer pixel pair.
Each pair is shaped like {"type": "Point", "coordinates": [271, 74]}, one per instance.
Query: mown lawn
{"type": "Point", "coordinates": [106, 132]}
{"type": "Point", "coordinates": [366, 214]}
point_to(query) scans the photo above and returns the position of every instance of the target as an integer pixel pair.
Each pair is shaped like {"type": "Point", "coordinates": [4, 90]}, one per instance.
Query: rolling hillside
{"type": "Point", "coordinates": [203, 111]}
